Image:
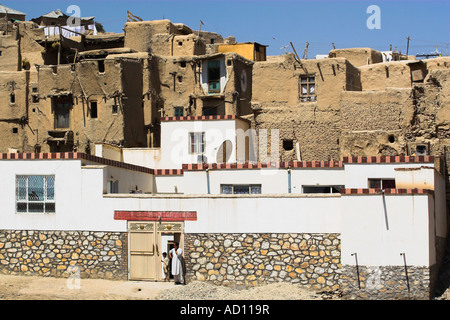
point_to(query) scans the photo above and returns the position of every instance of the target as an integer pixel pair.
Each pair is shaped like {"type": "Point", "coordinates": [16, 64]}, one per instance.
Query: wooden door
{"type": "Point", "coordinates": [142, 251]}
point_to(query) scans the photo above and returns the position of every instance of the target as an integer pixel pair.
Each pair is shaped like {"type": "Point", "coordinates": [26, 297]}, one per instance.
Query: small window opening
{"type": "Point", "coordinates": [12, 98]}
{"type": "Point", "coordinates": [381, 183]}
{"type": "Point", "coordinates": [288, 144]}
{"type": "Point", "coordinates": [35, 99]}
{"type": "Point", "coordinates": [114, 109]}
{"type": "Point", "coordinates": [391, 138]}
{"type": "Point", "coordinates": [180, 78]}
{"type": "Point", "coordinates": [183, 64]}
{"type": "Point", "coordinates": [35, 89]}
{"type": "Point", "coordinates": [212, 40]}
{"type": "Point", "coordinates": [0, 53]}
{"type": "Point", "coordinates": [55, 69]}
{"type": "Point", "coordinates": [15, 130]}
{"type": "Point", "coordinates": [178, 111]}
{"type": "Point", "coordinates": [421, 149]}
{"type": "Point", "coordinates": [229, 62]}
{"type": "Point", "coordinates": [93, 109]}
{"type": "Point", "coordinates": [180, 43]}
{"type": "Point", "coordinates": [101, 66]}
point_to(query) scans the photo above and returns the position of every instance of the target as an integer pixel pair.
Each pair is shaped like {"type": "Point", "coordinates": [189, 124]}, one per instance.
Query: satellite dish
{"type": "Point", "coordinates": [224, 152]}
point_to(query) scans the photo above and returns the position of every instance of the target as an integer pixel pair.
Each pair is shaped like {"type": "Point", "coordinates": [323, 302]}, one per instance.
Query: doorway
{"type": "Point", "coordinates": [61, 109]}
{"type": "Point", "coordinates": [147, 240]}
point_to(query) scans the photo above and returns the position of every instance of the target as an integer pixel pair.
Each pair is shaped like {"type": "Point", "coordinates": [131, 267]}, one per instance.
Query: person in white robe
{"type": "Point", "coordinates": [178, 266]}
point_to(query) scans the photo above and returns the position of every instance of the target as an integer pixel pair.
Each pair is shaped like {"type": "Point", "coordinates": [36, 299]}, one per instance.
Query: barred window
{"type": "Point", "coordinates": [35, 194]}
{"type": "Point", "coordinates": [240, 189]}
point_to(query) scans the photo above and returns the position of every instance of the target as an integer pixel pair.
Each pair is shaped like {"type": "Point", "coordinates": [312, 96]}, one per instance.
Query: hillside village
{"type": "Point", "coordinates": [265, 168]}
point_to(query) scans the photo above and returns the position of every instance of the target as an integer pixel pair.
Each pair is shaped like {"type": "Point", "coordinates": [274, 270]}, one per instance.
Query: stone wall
{"type": "Point", "coordinates": [55, 253]}
{"type": "Point", "coordinates": [385, 283]}
{"type": "Point", "coordinates": [244, 260]}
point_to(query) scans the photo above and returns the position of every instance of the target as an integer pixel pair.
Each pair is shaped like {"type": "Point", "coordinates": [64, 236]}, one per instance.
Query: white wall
{"type": "Point", "coordinates": [356, 175]}
{"type": "Point", "coordinates": [378, 238]}
{"type": "Point", "coordinates": [273, 180]}
{"type": "Point", "coordinates": [175, 141]}
{"type": "Point", "coordinates": [78, 197]}
{"type": "Point", "coordinates": [145, 157]}
{"type": "Point", "coordinates": [243, 214]}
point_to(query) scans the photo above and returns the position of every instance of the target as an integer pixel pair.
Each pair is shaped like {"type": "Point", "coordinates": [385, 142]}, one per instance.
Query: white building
{"type": "Point", "coordinates": [318, 223]}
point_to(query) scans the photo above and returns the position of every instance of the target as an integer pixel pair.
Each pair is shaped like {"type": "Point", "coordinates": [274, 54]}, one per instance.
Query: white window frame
{"type": "Point", "coordinates": [45, 197]}
{"type": "Point", "coordinates": [197, 144]}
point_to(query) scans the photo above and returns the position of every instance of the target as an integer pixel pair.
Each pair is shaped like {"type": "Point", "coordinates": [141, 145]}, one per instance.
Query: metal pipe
{"type": "Point", "coordinates": [207, 180]}
{"type": "Point", "coordinates": [289, 180]}
{"type": "Point", "coordinates": [357, 268]}
{"type": "Point", "coordinates": [406, 270]}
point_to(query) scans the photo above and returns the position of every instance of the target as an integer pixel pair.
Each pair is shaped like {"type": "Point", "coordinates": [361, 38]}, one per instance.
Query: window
{"type": "Point", "coordinates": [307, 88]}
{"type": "Point", "coordinates": [212, 111]}
{"type": "Point", "coordinates": [178, 111]}
{"type": "Point", "coordinates": [15, 130]}
{"type": "Point", "coordinates": [93, 109]}
{"type": "Point", "coordinates": [101, 66]}
{"type": "Point", "coordinates": [240, 189]}
{"type": "Point", "coordinates": [214, 76]}
{"type": "Point", "coordinates": [35, 194]}
{"type": "Point", "coordinates": [322, 189]}
{"type": "Point", "coordinates": [12, 98]}
{"type": "Point", "coordinates": [288, 144]}
{"type": "Point", "coordinates": [381, 183]}
{"type": "Point", "coordinates": [197, 142]}
{"type": "Point", "coordinates": [35, 99]}
{"type": "Point", "coordinates": [183, 64]}
{"type": "Point", "coordinates": [421, 149]}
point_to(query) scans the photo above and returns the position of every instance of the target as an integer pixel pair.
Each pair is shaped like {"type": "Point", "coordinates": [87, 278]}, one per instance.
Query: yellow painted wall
{"type": "Point", "coordinates": [247, 50]}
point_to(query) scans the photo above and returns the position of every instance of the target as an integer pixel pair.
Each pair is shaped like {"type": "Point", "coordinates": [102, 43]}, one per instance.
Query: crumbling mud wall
{"type": "Point", "coordinates": [105, 99]}
{"type": "Point", "coordinates": [10, 59]}
{"type": "Point", "coordinates": [13, 111]}
{"type": "Point", "coordinates": [307, 130]}
{"type": "Point", "coordinates": [373, 122]}
{"type": "Point", "coordinates": [358, 56]}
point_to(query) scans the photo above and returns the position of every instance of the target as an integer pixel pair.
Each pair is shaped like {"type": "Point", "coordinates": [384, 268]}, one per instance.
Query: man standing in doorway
{"type": "Point", "coordinates": [178, 265]}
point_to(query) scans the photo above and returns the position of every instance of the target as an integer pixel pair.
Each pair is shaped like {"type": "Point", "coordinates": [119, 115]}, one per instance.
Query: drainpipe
{"type": "Point", "coordinates": [207, 180]}
{"type": "Point", "coordinates": [289, 179]}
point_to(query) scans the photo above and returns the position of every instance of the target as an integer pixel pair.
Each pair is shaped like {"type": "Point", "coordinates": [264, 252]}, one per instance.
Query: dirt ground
{"type": "Point", "coordinates": [47, 288]}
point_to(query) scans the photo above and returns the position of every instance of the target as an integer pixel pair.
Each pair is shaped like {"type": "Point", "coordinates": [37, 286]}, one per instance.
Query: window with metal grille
{"type": "Point", "coordinates": [197, 142]}
{"type": "Point", "coordinates": [307, 88]}
{"type": "Point", "coordinates": [240, 189]}
{"type": "Point", "coordinates": [35, 194]}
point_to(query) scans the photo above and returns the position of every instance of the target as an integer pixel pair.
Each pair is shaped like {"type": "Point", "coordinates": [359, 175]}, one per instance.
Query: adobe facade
{"type": "Point", "coordinates": [121, 96]}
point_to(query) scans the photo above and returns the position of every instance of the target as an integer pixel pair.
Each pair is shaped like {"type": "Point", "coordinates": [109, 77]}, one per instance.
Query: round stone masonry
{"type": "Point", "coordinates": [244, 260]}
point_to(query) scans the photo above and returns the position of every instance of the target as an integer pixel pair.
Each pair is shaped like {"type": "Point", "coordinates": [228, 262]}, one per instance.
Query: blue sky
{"type": "Point", "coordinates": [277, 23]}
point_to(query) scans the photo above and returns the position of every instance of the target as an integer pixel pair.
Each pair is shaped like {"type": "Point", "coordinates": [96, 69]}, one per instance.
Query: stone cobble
{"type": "Point", "coordinates": [244, 260]}
{"type": "Point", "coordinates": [380, 283]}
{"type": "Point", "coordinates": [60, 253]}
